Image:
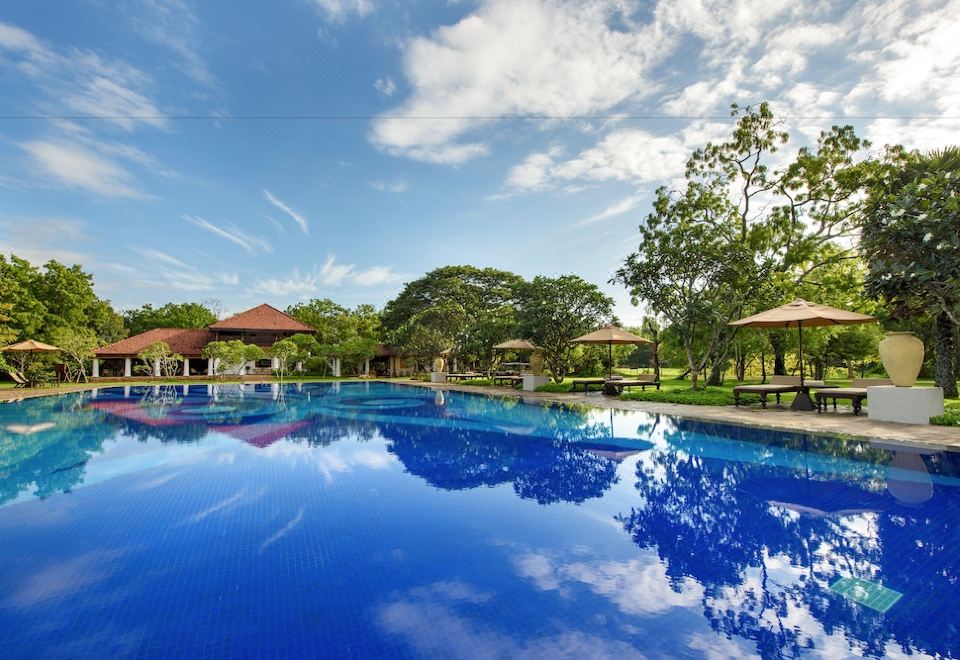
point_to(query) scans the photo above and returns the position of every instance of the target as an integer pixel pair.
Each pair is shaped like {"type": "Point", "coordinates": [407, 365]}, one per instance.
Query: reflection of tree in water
{"type": "Point", "coordinates": [545, 469]}
{"type": "Point", "coordinates": [52, 459]}
{"type": "Point", "coordinates": [703, 520]}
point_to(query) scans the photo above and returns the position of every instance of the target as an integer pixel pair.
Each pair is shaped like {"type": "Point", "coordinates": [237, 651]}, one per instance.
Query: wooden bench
{"type": "Point", "coordinates": [855, 394]}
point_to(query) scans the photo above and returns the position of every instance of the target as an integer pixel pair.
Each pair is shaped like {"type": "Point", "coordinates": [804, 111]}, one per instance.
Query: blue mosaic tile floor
{"type": "Point", "coordinates": [375, 520]}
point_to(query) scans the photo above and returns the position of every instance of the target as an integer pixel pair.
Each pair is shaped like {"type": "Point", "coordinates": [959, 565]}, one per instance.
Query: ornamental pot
{"type": "Point", "coordinates": [438, 364]}
{"type": "Point", "coordinates": [536, 363]}
{"type": "Point", "coordinates": [902, 357]}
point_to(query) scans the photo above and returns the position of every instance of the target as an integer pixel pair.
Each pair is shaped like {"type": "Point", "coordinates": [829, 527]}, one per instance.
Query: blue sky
{"type": "Point", "coordinates": [274, 151]}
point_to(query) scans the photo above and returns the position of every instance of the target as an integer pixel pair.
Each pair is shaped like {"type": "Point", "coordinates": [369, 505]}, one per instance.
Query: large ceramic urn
{"type": "Point", "coordinates": [438, 364]}
{"type": "Point", "coordinates": [902, 356]}
{"type": "Point", "coordinates": [536, 363]}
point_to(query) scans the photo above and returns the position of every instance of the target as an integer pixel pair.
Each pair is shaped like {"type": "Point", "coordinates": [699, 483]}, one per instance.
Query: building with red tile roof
{"type": "Point", "coordinates": [262, 325]}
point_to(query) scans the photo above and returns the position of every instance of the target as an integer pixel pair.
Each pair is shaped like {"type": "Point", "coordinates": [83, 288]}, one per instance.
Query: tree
{"type": "Point", "coordinates": [171, 315]}
{"type": "Point", "coordinates": [326, 317]}
{"type": "Point", "coordinates": [355, 352]}
{"type": "Point", "coordinates": [77, 349]}
{"type": "Point", "coordinates": [774, 222]}
{"type": "Point", "coordinates": [426, 334]}
{"type": "Point", "coordinates": [553, 311]}
{"type": "Point", "coordinates": [231, 356]}
{"type": "Point", "coordinates": [476, 342]}
{"type": "Point", "coordinates": [691, 270]}
{"type": "Point", "coordinates": [159, 359]}
{"type": "Point", "coordinates": [911, 242]}
{"type": "Point", "coordinates": [285, 351]}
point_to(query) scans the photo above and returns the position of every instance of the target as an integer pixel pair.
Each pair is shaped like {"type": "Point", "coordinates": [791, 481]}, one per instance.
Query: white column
{"type": "Point", "coordinates": [336, 367]}
{"type": "Point", "coordinates": [274, 363]}
{"type": "Point", "coordinates": [127, 367]}
{"type": "Point", "coordinates": [211, 367]}
{"type": "Point", "coordinates": [95, 373]}
{"type": "Point", "coordinates": [156, 367]}
{"type": "Point", "coordinates": [186, 366]}
{"type": "Point", "coordinates": [366, 367]}
{"type": "Point", "coordinates": [298, 366]}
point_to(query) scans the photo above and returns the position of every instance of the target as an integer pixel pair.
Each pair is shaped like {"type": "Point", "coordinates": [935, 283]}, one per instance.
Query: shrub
{"type": "Point", "coordinates": [556, 388]}
{"type": "Point", "coordinates": [711, 396]}
{"type": "Point", "coordinates": [949, 418]}
{"type": "Point", "coordinates": [483, 382]}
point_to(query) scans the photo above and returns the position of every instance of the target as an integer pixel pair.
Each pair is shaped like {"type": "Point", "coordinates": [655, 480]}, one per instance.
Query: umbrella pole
{"type": "Point", "coordinates": [610, 360]}
{"type": "Point", "coordinates": [802, 400]}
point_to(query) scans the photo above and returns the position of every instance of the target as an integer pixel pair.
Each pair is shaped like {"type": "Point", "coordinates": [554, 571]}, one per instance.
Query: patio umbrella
{"type": "Point", "coordinates": [800, 314]}
{"type": "Point", "coordinates": [517, 345]}
{"type": "Point", "coordinates": [610, 335]}
{"type": "Point", "coordinates": [29, 346]}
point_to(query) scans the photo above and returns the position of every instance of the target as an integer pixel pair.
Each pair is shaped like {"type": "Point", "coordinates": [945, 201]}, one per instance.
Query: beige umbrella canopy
{"type": "Point", "coordinates": [517, 345]}
{"type": "Point", "coordinates": [30, 346]}
{"type": "Point", "coordinates": [801, 313]}
{"type": "Point", "coordinates": [610, 335]}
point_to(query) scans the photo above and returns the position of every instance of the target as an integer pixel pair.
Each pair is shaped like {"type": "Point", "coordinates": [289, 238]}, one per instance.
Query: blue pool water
{"type": "Point", "coordinates": [373, 520]}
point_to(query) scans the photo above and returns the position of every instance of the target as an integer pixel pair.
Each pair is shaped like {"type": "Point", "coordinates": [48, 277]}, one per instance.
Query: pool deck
{"type": "Point", "coordinates": [842, 422]}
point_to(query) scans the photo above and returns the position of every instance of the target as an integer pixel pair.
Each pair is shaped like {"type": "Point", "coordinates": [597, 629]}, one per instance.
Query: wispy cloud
{"type": "Point", "coordinates": [173, 25]}
{"type": "Point", "coordinates": [337, 11]}
{"type": "Point", "coordinates": [40, 239]}
{"type": "Point", "coordinates": [162, 270]}
{"type": "Point", "coordinates": [613, 210]}
{"type": "Point", "coordinates": [78, 167]}
{"type": "Point", "coordinates": [299, 219]}
{"type": "Point", "coordinates": [390, 186]}
{"type": "Point", "coordinates": [386, 86]}
{"type": "Point", "coordinates": [329, 274]}
{"type": "Point", "coordinates": [231, 233]}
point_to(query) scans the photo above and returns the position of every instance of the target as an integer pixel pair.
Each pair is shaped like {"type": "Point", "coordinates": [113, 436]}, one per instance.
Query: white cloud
{"type": "Point", "coordinates": [39, 239]}
{"type": "Point", "coordinates": [299, 219]}
{"type": "Point", "coordinates": [516, 57]}
{"type": "Point", "coordinates": [385, 86]}
{"type": "Point", "coordinates": [231, 233]}
{"type": "Point", "coordinates": [629, 154]}
{"type": "Point", "coordinates": [78, 167]}
{"type": "Point", "coordinates": [330, 274]}
{"type": "Point", "coordinates": [337, 11]}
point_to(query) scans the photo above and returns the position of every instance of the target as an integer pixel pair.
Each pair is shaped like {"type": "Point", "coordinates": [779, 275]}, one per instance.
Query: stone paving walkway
{"type": "Point", "coordinates": [842, 422]}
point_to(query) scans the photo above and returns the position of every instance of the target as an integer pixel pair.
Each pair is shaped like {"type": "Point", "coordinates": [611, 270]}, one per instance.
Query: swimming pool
{"type": "Point", "coordinates": [370, 519]}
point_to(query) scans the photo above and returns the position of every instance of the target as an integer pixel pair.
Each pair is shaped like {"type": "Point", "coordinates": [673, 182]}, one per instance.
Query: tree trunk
{"type": "Point", "coordinates": [851, 374]}
{"type": "Point", "coordinates": [716, 374]}
{"type": "Point", "coordinates": [693, 367]}
{"type": "Point", "coordinates": [763, 368]}
{"type": "Point", "coordinates": [945, 375]}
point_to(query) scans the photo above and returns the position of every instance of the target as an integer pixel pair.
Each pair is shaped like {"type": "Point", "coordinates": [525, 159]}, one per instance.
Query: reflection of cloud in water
{"type": "Point", "coordinates": [224, 504]}
{"type": "Point", "coordinates": [64, 578]}
{"type": "Point", "coordinates": [637, 587]}
{"type": "Point", "coordinates": [330, 460]}
{"type": "Point", "coordinates": [430, 621]}
{"type": "Point", "coordinates": [286, 529]}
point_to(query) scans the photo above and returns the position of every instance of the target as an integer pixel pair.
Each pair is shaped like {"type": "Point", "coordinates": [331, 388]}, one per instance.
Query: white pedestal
{"type": "Point", "coordinates": [438, 377]}
{"type": "Point", "coordinates": [907, 405]}
{"type": "Point", "coordinates": [531, 382]}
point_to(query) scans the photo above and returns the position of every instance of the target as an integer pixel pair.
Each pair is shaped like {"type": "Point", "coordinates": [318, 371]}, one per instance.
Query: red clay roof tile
{"type": "Point", "coordinates": [262, 317]}
{"type": "Point", "coordinates": [185, 341]}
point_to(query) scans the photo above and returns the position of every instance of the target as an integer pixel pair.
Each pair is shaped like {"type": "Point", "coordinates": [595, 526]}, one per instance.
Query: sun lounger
{"type": "Point", "coordinates": [18, 380]}
{"type": "Point", "coordinates": [585, 383]}
{"type": "Point", "coordinates": [643, 381]}
{"type": "Point", "coordinates": [512, 381]}
{"type": "Point", "coordinates": [778, 385]}
{"type": "Point", "coordinates": [856, 393]}
{"type": "Point", "coordinates": [470, 376]}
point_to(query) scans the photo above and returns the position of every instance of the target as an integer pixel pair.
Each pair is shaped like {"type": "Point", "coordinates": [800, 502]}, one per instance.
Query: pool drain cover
{"type": "Point", "coordinates": [869, 594]}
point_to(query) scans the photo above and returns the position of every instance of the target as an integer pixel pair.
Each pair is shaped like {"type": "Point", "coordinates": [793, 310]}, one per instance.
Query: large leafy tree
{"type": "Point", "coordinates": [171, 315]}
{"type": "Point", "coordinates": [911, 242]}
{"type": "Point", "coordinates": [554, 310]}
{"type": "Point", "coordinates": [778, 224]}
